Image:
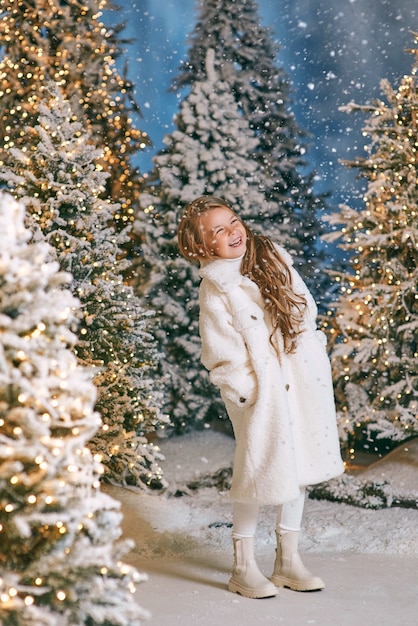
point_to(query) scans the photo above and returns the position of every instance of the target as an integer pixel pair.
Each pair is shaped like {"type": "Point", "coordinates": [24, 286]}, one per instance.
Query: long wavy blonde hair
{"type": "Point", "coordinates": [262, 263]}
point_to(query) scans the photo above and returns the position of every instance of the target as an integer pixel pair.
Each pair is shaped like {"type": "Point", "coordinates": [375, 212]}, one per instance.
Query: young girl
{"type": "Point", "coordinates": [263, 350]}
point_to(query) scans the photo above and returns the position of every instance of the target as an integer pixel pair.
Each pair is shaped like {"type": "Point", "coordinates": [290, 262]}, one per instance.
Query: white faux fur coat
{"type": "Point", "coordinates": [282, 410]}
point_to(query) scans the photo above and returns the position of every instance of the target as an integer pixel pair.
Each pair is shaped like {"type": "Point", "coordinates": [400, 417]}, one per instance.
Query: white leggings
{"type": "Point", "coordinates": [245, 516]}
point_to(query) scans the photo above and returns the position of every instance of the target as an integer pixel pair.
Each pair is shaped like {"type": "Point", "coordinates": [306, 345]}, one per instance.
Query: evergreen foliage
{"type": "Point", "coordinates": [207, 154]}
{"type": "Point", "coordinates": [236, 138]}
{"type": "Point", "coordinates": [56, 177]}
{"type": "Point", "coordinates": [375, 325]}
{"type": "Point", "coordinates": [246, 59]}
{"type": "Point", "coordinates": [59, 550]}
{"type": "Point", "coordinates": [67, 43]}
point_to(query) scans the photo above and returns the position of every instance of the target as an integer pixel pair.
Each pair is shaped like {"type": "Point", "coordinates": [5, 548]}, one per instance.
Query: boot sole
{"type": "Point", "coordinates": [250, 593]}
{"type": "Point", "coordinates": [296, 585]}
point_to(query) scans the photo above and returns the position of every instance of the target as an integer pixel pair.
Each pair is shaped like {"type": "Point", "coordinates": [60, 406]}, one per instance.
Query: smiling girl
{"type": "Point", "coordinates": [264, 352]}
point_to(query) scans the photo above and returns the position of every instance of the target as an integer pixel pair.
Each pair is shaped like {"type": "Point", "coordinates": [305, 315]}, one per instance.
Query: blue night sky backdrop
{"type": "Point", "coordinates": [333, 51]}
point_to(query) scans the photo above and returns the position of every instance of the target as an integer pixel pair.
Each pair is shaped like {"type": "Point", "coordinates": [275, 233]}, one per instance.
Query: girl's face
{"type": "Point", "coordinates": [223, 233]}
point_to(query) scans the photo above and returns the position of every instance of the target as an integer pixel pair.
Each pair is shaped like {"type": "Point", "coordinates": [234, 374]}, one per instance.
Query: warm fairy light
{"type": "Point", "coordinates": [379, 304]}
{"type": "Point", "coordinates": [54, 413]}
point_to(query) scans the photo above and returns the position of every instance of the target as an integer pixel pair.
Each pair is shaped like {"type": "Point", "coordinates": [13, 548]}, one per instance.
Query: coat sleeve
{"type": "Point", "coordinates": [224, 352]}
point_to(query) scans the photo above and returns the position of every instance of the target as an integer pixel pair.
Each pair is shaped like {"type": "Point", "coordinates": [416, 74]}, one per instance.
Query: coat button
{"type": "Point", "coordinates": [253, 317]}
{"type": "Point", "coordinates": [242, 400]}
{"type": "Point", "coordinates": [287, 387]}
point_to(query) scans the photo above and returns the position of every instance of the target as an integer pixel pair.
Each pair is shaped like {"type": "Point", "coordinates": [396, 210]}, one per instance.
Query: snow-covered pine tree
{"type": "Point", "coordinates": [56, 177]}
{"type": "Point", "coordinates": [59, 541]}
{"type": "Point", "coordinates": [68, 43]}
{"type": "Point", "coordinates": [246, 59]}
{"type": "Point", "coordinates": [375, 327]}
{"type": "Point", "coordinates": [206, 154]}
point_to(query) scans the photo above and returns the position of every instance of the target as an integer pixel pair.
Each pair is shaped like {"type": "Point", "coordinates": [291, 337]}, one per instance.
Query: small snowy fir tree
{"type": "Point", "coordinates": [56, 177]}
{"type": "Point", "coordinates": [375, 328]}
{"type": "Point", "coordinates": [59, 534]}
{"type": "Point", "coordinates": [206, 154]}
{"type": "Point", "coordinates": [246, 59]}
{"type": "Point", "coordinates": [68, 43]}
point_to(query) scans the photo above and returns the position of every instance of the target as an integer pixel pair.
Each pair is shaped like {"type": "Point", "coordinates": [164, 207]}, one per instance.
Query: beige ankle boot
{"type": "Point", "coordinates": [289, 571]}
{"type": "Point", "coordinates": [246, 578]}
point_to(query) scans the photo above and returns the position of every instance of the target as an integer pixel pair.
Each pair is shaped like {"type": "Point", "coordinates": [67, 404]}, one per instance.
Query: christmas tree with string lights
{"type": "Point", "coordinates": [68, 43]}
{"type": "Point", "coordinates": [56, 177]}
{"type": "Point", "coordinates": [375, 325]}
{"type": "Point", "coordinates": [59, 534]}
{"type": "Point", "coordinates": [206, 154]}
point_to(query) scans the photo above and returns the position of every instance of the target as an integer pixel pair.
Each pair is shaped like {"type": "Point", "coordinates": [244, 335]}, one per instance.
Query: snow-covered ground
{"type": "Point", "coordinates": [368, 558]}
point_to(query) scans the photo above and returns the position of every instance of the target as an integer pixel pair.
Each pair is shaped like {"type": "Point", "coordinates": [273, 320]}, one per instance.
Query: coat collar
{"type": "Point", "coordinates": [225, 273]}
